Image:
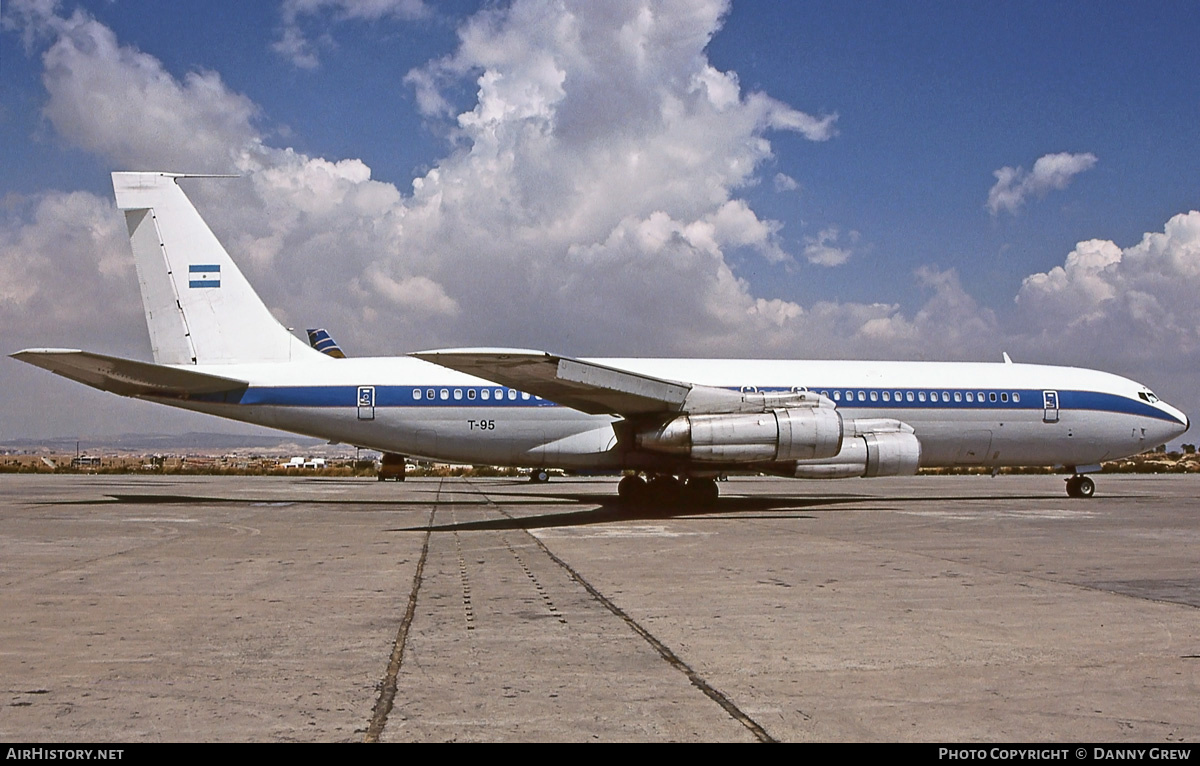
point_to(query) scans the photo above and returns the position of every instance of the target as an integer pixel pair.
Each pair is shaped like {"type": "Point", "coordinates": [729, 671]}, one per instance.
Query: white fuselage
{"type": "Point", "coordinates": [962, 413]}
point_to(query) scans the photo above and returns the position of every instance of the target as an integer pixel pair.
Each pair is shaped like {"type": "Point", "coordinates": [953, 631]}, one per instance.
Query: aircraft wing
{"type": "Point", "coordinates": [126, 376]}
{"type": "Point", "coordinates": [585, 386]}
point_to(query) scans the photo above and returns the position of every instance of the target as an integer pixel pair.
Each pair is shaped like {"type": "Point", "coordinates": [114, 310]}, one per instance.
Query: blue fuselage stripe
{"type": "Point", "coordinates": [444, 396]}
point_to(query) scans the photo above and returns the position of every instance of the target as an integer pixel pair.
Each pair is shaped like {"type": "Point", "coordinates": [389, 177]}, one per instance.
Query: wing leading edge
{"type": "Point", "coordinates": [602, 390]}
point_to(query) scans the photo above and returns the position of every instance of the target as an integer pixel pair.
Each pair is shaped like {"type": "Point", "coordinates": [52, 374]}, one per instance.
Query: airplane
{"type": "Point", "coordinates": [322, 341]}
{"type": "Point", "coordinates": [673, 426]}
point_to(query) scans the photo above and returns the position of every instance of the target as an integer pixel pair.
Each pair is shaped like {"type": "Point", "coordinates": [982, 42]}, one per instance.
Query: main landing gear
{"type": "Point", "coordinates": [1080, 486]}
{"type": "Point", "coordinates": [662, 489]}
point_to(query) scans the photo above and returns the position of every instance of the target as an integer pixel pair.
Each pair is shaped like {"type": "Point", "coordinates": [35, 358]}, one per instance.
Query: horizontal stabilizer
{"type": "Point", "coordinates": [126, 376]}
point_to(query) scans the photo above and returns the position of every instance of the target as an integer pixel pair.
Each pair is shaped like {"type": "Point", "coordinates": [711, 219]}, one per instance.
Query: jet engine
{"type": "Point", "coordinates": [896, 453]}
{"type": "Point", "coordinates": [793, 433]}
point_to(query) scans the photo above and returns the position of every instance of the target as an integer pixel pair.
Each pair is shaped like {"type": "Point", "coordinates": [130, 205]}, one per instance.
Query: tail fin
{"type": "Point", "coordinates": [199, 307]}
{"type": "Point", "coordinates": [322, 341]}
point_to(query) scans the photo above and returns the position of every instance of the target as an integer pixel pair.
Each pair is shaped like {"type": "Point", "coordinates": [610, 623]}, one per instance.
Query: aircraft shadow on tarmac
{"type": "Point", "coordinates": [603, 507]}
{"type": "Point", "coordinates": [609, 509]}
{"type": "Point", "coordinates": [612, 509]}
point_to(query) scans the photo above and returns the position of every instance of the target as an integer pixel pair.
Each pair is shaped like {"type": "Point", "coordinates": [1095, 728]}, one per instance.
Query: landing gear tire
{"type": "Point", "coordinates": [701, 491]}
{"type": "Point", "coordinates": [632, 490]}
{"type": "Point", "coordinates": [1080, 486]}
{"type": "Point", "coordinates": [540, 476]}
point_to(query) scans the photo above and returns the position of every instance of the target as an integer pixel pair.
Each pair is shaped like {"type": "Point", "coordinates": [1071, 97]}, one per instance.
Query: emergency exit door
{"type": "Point", "coordinates": [366, 402]}
{"type": "Point", "coordinates": [1050, 406]}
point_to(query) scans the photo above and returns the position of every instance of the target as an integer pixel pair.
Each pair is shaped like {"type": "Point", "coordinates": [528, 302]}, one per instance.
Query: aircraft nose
{"type": "Point", "coordinates": [1180, 420]}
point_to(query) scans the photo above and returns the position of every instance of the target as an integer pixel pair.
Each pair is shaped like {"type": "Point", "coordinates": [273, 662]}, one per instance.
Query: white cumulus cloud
{"type": "Point", "coordinates": [294, 42]}
{"type": "Point", "coordinates": [1050, 172]}
{"type": "Point", "coordinates": [824, 249]}
{"type": "Point", "coordinates": [1141, 299]}
{"type": "Point", "coordinates": [592, 194]}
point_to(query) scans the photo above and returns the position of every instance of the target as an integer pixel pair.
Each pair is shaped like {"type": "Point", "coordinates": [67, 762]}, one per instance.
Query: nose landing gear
{"type": "Point", "coordinates": [1080, 486]}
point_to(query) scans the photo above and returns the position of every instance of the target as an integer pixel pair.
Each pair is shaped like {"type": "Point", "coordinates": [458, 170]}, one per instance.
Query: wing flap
{"type": "Point", "coordinates": [127, 377]}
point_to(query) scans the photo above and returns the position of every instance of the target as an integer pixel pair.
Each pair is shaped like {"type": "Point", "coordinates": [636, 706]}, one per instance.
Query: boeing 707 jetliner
{"type": "Point", "coordinates": [672, 424]}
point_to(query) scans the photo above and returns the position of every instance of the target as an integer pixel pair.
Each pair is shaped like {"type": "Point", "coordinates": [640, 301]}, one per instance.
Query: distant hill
{"type": "Point", "coordinates": [195, 441]}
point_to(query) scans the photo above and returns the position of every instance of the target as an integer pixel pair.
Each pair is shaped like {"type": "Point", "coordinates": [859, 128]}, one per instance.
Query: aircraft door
{"type": "Point", "coordinates": [1050, 406]}
{"type": "Point", "coordinates": [366, 402]}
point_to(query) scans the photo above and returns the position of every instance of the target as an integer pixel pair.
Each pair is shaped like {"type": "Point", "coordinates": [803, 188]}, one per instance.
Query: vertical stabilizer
{"type": "Point", "coordinates": [199, 307]}
{"type": "Point", "coordinates": [322, 341]}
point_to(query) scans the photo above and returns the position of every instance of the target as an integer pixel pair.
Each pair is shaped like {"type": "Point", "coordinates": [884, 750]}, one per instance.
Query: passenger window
{"type": "Point", "coordinates": [512, 394]}
{"type": "Point", "coordinates": [457, 394]}
{"type": "Point", "coordinates": [445, 393]}
{"type": "Point", "coordinates": [1004, 397]}
{"type": "Point", "coordinates": [921, 395]}
{"type": "Point", "coordinates": [862, 397]}
{"type": "Point", "coordinates": [909, 396]}
{"type": "Point", "coordinates": [429, 393]}
{"type": "Point", "coordinates": [524, 396]}
{"type": "Point", "coordinates": [837, 396]}
{"type": "Point", "coordinates": [485, 393]}
{"type": "Point", "coordinates": [945, 396]}
{"type": "Point", "coordinates": [1016, 397]}
{"type": "Point", "coordinates": [499, 394]}
{"type": "Point", "coordinates": [887, 396]}
{"type": "Point", "coordinates": [470, 393]}
{"type": "Point", "coordinates": [992, 396]}
{"type": "Point", "coordinates": [958, 396]}
{"type": "Point", "coordinates": [416, 393]}
{"type": "Point", "coordinates": [970, 397]}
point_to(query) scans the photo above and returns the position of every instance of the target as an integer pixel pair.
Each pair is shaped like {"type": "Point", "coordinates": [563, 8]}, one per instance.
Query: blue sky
{"type": "Point", "coordinates": [677, 178]}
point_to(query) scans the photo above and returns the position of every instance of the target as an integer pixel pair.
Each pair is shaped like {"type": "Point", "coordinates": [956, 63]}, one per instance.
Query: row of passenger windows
{"type": "Point", "coordinates": [485, 394]}
{"type": "Point", "coordinates": [923, 396]}
{"type": "Point", "coordinates": [511, 394]}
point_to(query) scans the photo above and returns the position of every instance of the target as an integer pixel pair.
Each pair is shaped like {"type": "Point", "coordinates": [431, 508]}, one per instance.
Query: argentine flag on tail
{"type": "Point", "coordinates": [204, 275]}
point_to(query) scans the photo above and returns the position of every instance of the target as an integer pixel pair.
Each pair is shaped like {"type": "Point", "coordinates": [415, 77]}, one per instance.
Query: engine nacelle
{"type": "Point", "coordinates": [794, 433]}
{"type": "Point", "coordinates": [871, 454]}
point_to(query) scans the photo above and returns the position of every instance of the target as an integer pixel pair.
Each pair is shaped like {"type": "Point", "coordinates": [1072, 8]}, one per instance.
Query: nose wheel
{"type": "Point", "coordinates": [1080, 486]}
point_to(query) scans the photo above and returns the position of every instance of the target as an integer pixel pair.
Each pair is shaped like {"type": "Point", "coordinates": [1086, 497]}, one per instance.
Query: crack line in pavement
{"type": "Point", "coordinates": [387, 688]}
{"type": "Point", "coordinates": [663, 650]}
